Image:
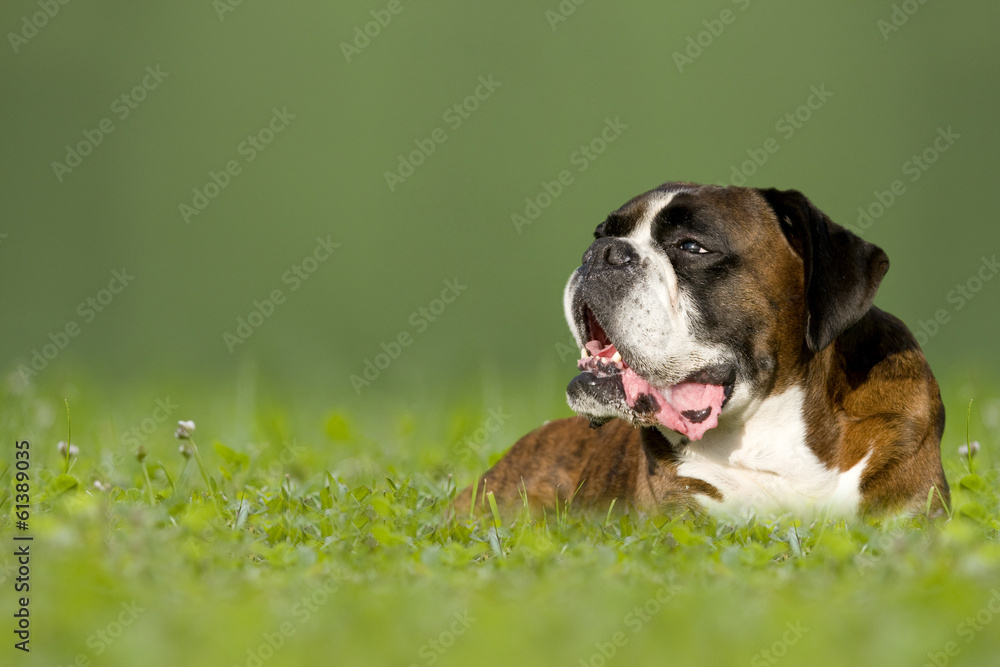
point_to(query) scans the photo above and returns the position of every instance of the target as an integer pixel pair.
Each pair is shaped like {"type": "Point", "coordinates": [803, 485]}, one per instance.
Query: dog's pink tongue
{"type": "Point", "coordinates": [689, 408]}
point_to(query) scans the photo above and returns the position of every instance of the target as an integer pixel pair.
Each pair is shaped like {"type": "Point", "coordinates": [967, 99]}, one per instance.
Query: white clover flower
{"type": "Point", "coordinates": [184, 429]}
{"type": "Point", "coordinates": [73, 449]}
{"type": "Point", "coordinates": [964, 450]}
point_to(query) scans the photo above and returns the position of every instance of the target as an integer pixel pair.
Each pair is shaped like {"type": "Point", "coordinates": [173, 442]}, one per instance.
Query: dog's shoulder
{"type": "Point", "coordinates": [880, 370]}
{"type": "Point", "coordinates": [890, 410]}
{"type": "Point", "coordinates": [880, 347]}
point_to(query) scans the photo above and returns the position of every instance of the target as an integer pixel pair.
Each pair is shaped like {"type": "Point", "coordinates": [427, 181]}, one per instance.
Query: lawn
{"type": "Point", "coordinates": [290, 535]}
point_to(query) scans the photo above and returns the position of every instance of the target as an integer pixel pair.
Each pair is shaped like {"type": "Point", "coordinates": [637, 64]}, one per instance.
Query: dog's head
{"type": "Point", "coordinates": [696, 299]}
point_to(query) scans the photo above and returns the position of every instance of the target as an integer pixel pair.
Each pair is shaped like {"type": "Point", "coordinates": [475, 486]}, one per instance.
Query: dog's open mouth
{"type": "Point", "coordinates": [690, 407]}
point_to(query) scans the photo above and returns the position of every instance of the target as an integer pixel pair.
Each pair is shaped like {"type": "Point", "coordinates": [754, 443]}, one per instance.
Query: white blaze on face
{"type": "Point", "coordinates": [657, 323]}
{"type": "Point", "coordinates": [568, 307]}
{"type": "Point", "coordinates": [651, 326]}
{"type": "Point", "coordinates": [665, 291]}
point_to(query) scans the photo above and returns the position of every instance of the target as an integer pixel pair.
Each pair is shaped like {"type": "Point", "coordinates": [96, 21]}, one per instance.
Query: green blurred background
{"type": "Point", "coordinates": [502, 343]}
{"type": "Point", "coordinates": [324, 174]}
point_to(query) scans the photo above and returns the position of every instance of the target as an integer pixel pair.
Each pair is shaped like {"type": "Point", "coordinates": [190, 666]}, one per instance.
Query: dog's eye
{"type": "Point", "coordinates": [692, 247]}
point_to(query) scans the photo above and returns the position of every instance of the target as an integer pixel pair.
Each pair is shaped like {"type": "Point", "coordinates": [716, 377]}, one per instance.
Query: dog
{"type": "Point", "coordinates": [732, 361]}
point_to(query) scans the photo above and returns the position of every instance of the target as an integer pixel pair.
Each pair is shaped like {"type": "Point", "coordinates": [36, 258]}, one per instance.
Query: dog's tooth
{"type": "Point", "coordinates": [617, 357]}
{"type": "Point", "coordinates": [584, 353]}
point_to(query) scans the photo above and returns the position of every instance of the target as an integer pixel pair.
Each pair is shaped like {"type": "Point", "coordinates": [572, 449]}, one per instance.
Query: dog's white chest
{"type": "Point", "coordinates": [765, 464]}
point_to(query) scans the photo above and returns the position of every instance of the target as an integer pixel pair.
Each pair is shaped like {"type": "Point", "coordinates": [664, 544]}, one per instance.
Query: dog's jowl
{"type": "Point", "coordinates": [731, 359]}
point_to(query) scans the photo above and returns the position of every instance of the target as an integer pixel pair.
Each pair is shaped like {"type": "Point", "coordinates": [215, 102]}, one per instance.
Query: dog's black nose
{"type": "Point", "coordinates": [609, 253]}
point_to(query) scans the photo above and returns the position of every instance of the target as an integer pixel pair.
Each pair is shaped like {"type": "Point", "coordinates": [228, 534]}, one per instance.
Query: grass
{"type": "Point", "coordinates": [289, 538]}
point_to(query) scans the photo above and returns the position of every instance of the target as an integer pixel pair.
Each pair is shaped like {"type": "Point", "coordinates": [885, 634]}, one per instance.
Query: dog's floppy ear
{"type": "Point", "coordinates": [842, 271]}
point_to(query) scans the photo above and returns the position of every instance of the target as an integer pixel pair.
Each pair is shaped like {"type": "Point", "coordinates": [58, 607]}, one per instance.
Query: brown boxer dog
{"type": "Point", "coordinates": [732, 360]}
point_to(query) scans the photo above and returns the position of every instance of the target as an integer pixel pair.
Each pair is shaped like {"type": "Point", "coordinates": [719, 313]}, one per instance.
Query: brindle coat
{"type": "Point", "coordinates": [797, 304]}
